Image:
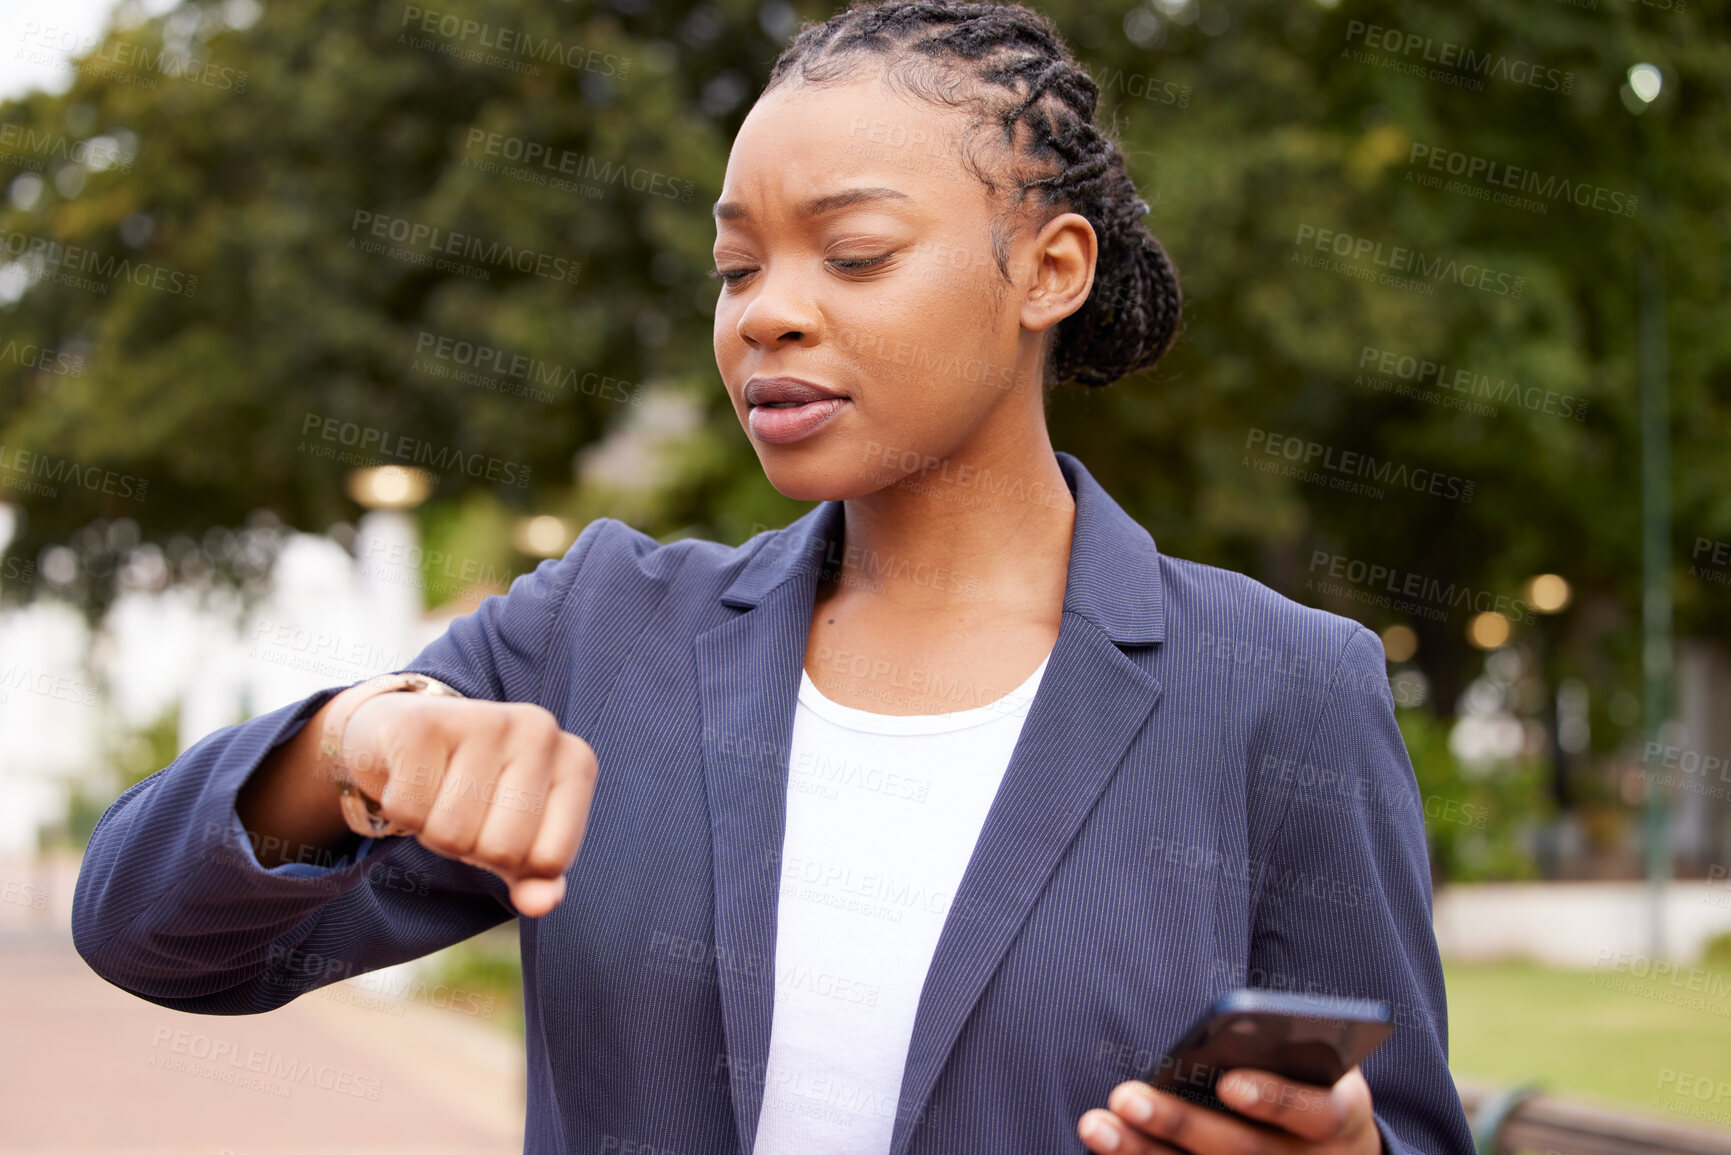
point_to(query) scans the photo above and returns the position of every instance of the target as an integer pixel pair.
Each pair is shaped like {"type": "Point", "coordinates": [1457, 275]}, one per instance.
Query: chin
{"type": "Point", "coordinates": [832, 474]}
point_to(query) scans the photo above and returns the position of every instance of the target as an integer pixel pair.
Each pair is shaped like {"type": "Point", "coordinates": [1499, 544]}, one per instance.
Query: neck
{"type": "Point", "coordinates": [983, 527]}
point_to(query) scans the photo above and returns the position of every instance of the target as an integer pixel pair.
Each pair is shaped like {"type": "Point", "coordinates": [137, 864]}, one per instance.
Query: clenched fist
{"type": "Point", "coordinates": [494, 784]}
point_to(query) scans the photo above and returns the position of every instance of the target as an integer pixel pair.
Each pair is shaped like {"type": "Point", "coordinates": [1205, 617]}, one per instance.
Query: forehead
{"type": "Point", "coordinates": [801, 141]}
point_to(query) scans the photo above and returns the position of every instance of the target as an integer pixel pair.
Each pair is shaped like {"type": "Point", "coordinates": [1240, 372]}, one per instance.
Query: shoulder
{"type": "Point", "coordinates": [1221, 620]}
{"type": "Point", "coordinates": [614, 563]}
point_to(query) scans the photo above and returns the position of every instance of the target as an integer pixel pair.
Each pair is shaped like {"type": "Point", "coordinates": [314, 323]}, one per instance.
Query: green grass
{"type": "Point", "coordinates": [1596, 1036]}
{"type": "Point", "coordinates": [488, 966]}
{"type": "Point", "coordinates": [1509, 1023]}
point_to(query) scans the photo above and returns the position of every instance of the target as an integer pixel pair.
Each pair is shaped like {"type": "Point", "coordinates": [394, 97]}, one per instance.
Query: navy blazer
{"type": "Point", "coordinates": [1209, 792]}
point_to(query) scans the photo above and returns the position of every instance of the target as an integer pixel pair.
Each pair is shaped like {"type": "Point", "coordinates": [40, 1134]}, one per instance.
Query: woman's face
{"type": "Point", "coordinates": [855, 250]}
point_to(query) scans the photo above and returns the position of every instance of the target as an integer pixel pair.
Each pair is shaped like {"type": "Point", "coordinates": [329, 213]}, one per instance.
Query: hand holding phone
{"type": "Point", "coordinates": [1306, 1038]}
{"type": "Point", "coordinates": [1297, 1041]}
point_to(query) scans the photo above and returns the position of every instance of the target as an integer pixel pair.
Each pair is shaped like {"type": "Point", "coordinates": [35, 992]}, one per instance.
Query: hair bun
{"type": "Point", "coordinates": [1132, 314]}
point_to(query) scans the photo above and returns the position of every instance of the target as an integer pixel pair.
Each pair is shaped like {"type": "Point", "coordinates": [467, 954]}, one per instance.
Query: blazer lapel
{"type": "Point", "coordinates": [748, 672]}
{"type": "Point", "coordinates": [1091, 702]}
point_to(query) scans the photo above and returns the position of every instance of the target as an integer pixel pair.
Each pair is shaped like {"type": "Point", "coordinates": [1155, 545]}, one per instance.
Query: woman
{"type": "Point", "coordinates": [920, 825]}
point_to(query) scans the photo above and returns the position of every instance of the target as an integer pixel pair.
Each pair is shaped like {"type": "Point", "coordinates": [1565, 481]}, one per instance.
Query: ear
{"type": "Point", "coordinates": [1060, 260]}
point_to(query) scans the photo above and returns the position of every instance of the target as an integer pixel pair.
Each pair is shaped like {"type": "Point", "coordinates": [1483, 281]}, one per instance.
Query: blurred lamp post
{"type": "Point", "coordinates": [1641, 88]}
{"type": "Point", "coordinates": [1549, 593]}
{"type": "Point", "coordinates": [8, 527]}
{"type": "Point", "coordinates": [388, 555]}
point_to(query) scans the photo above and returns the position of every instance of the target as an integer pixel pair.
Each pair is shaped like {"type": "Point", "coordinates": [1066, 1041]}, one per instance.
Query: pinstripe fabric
{"type": "Point", "coordinates": [1209, 792]}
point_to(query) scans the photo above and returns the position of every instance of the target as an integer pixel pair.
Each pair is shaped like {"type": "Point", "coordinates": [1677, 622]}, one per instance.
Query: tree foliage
{"type": "Point", "coordinates": [259, 161]}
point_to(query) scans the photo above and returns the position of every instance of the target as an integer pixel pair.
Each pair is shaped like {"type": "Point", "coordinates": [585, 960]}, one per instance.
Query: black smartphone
{"type": "Point", "coordinates": [1306, 1038]}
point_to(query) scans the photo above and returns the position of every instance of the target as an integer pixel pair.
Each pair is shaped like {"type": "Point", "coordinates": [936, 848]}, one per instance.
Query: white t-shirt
{"type": "Point", "coordinates": [882, 815]}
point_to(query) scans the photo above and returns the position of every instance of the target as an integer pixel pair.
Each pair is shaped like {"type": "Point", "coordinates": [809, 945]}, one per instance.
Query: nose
{"type": "Point", "coordinates": [781, 312]}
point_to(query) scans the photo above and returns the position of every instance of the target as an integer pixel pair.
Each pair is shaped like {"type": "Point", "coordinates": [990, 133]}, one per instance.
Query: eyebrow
{"type": "Point", "coordinates": [828, 203]}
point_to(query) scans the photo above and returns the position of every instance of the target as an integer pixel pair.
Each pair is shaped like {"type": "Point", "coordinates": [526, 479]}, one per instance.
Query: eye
{"type": "Point", "coordinates": [853, 263]}
{"type": "Point", "coordinates": [729, 276]}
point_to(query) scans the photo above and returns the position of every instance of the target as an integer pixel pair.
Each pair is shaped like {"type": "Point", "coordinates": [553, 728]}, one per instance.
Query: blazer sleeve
{"type": "Point", "coordinates": [173, 905]}
{"type": "Point", "coordinates": [1344, 906]}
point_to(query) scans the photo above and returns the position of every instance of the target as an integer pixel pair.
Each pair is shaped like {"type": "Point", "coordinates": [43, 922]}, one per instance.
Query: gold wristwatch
{"type": "Point", "coordinates": [360, 811]}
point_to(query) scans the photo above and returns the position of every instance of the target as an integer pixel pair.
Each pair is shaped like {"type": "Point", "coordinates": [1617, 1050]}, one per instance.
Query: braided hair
{"type": "Point", "coordinates": [955, 53]}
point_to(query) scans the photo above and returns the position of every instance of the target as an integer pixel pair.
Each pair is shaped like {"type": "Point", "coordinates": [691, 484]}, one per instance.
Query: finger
{"type": "Point", "coordinates": [516, 802]}
{"type": "Point", "coordinates": [1169, 1119]}
{"type": "Point", "coordinates": [566, 812]}
{"type": "Point", "coordinates": [1314, 1113]}
{"type": "Point", "coordinates": [386, 740]}
{"type": "Point", "coordinates": [535, 897]}
{"type": "Point", "coordinates": [460, 806]}
{"type": "Point", "coordinates": [404, 773]}
{"type": "Point", "coordinates": [1104, 1132]}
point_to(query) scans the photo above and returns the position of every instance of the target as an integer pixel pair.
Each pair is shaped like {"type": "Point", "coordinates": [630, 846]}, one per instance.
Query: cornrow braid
{"type": "Point", "coordinates": [1132, 313]}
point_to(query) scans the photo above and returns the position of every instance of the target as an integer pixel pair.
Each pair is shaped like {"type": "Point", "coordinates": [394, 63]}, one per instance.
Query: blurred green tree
{"type": "Point", "coordinates": [262, 160]}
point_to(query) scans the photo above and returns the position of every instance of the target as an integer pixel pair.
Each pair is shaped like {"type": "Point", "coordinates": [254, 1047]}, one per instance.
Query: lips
{"type": "Point", "coordinates": [782, 390]}
{"type": "Point", "coordinates": [785, 409]}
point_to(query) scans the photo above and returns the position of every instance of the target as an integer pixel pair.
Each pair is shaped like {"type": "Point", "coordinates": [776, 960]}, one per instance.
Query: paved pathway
{"type": "Point", "coordinates": [88, 1069]}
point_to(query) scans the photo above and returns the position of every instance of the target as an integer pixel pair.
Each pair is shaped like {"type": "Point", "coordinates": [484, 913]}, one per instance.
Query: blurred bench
{"type": "Point", "coordinates": [1510, 1120]}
